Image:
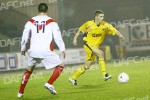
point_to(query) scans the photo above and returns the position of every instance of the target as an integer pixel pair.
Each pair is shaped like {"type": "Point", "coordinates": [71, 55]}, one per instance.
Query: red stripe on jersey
{"type": "Point", "coordinates": [49, 21]}
{"type": "Point", "coordinates": [32, 21]}
{"type": "Point", "coordinates": [51, 46]}
{"type": "Point", "coordinates": [40, 27]}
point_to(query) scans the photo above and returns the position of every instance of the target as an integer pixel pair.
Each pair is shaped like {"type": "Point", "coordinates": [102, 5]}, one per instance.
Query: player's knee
{"type": "Point", "coordinates": [101, 54]}
{"type": "Point", "coordinates": [62, 65]}
{"type": "Point", "coordinates": [87, 66]}
{"type": "Point", "coordinates": [30, 68]}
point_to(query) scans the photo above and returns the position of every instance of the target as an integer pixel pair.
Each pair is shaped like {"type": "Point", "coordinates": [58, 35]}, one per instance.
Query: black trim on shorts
{"type": "Point", "coordinates": [88, 46]}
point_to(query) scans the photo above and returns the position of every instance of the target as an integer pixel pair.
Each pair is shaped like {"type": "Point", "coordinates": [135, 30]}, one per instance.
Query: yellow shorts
{"type": "Point", "coordinates": [89, 53]}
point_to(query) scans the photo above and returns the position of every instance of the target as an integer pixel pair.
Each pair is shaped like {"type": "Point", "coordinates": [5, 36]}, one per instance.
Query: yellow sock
{"type": "Point", "coordinates": [102, 66]}
{"type": "Point", "coordinates": [78, 72]}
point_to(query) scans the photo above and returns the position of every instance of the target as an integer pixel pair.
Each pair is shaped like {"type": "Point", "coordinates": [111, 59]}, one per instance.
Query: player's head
{"type": "Point", "coordinates": [42, 8]}
{"type": "Point", "coordinates": [99, 15]}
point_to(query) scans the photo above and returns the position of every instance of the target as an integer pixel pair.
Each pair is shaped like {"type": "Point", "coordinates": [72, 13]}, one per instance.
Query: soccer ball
{"type": "Point", "coordinates": [123, 78]}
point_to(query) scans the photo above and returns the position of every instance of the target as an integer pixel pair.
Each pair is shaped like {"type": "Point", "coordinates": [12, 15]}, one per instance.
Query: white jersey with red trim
{"type": "Point", "coordinates": [39, 32]}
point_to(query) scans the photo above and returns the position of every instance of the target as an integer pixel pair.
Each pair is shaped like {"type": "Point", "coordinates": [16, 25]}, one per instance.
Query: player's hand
{"type": "Point", "coordinates": [64, 54]}
{"type": "Point", "coordinates": [23, 53]}
{"type": "Point", "coordinates": [74, 42]}
{"type": "Point", "coordinates": [122, 37]}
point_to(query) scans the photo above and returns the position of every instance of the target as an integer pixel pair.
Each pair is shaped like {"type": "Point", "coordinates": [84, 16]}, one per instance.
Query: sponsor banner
{"type": "Point", "coordinates": [137, 37]}
{"type": "Point", "coordinates": [3, 63]}
{"type": "Point", "coordinates": [73, 56]}
{"type": "Point", "coordinates": [22, 61]}
{"type": "Point", "coordinates": [12, 61]}
{"type": "Point", "coordinates": [17, 61]}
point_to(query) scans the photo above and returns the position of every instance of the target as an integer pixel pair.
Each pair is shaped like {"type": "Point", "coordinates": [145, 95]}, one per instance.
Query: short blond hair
{"type": "Point", "coordinates": [97, 12]}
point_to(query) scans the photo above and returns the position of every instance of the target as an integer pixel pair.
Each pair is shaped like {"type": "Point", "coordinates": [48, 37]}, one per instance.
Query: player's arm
{"type": "Point", "coordinates": [113, 31]}
{"type": "Point", "coordinates": [76, 37]}
{"type": "Point", "coordinates": [119, 35]}
{"type": "Point", "coordinates": [58, 38]}
{"type": "Point", "coordinates": [82, 29]}
{"type": "Point", "coordinates": [25, 37]}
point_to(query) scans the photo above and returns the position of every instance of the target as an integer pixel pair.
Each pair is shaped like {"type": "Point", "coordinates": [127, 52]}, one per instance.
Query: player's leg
{"type": "Point", "coordinates": [56, 63]}
{"type": "Point", "coordinates": [25, 79]}
{"type": "Point", "coordinates": [100, 54]}
{"type": "Point", "coordinates": [81, 69]}
{"type": "Point", "coordinates": [89, 59]}
{"type": "Point", "coordinates": [56, 73]}
{"type": "Point", "coordinates": [31, 65]}
{"type": "Point", "coordinates": [79, 72]}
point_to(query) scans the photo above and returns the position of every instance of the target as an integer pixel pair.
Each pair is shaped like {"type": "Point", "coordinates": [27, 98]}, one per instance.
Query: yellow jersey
{"type": "Point", "coordinates": [96, 34]}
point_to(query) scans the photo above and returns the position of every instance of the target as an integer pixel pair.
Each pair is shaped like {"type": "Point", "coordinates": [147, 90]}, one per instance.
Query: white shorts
{"type": "Point", "coordinates": [50, 62]}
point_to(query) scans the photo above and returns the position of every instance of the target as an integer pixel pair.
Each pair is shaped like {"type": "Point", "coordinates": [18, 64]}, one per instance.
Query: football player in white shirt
{"type": "Point", "coordinates": [37, 39]}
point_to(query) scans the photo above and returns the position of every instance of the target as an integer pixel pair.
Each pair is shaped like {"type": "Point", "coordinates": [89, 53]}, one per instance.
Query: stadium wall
{"type": "Point", "coordinates": [15, 61]}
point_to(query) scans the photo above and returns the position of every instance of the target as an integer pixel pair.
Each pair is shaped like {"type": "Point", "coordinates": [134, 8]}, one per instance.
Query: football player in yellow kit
{"type": "Point", "coordinates": [95, 31]}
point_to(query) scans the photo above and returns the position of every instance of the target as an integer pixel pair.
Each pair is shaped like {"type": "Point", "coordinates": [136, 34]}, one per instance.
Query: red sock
{"type": "Point", "coordinates": [55, 74]}
{"type": "Point", "coordinates": [25, 79]}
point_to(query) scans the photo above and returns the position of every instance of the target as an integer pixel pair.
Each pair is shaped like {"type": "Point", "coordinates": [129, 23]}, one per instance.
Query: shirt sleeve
{"type": "Point", "coordinates": [111, 30]}
{"type": "Point", "coordinates": [83, 28]}
{"type": "Point", "coordinates": [57, 37]}
{"type": "Point", "coordinates": [25, 36]}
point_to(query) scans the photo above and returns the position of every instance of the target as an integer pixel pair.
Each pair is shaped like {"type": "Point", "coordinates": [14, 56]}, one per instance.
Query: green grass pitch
{"type": "Point", "coordinates": [91, 84]}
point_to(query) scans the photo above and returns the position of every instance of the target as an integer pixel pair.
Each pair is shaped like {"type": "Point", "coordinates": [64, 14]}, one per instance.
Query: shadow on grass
{"type": "Point", "coordinates": [85, 88]}
{"type": "Point", "coordinates": [92, 86]}
{"type": "Point", "coordinates": [71, 90]}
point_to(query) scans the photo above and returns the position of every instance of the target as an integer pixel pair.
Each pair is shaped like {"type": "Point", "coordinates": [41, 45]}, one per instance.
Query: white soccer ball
{"type": "Point", "coordinates": [123, 78]}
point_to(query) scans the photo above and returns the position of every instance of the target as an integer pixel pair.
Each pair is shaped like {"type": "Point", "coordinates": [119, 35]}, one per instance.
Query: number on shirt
{"type": "Point", "coordinates": [40, 26]}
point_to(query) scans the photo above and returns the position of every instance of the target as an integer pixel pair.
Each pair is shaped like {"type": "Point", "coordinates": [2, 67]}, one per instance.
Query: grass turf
{"type": "Point", "coordinates": [91, 84]}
